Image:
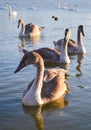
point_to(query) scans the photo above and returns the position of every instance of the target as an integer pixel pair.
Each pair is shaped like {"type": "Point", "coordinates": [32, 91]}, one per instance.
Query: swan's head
{"type": "Point", "coordinates": [61, 43]}
{"type": "Point", "coordinates": [81, 29]}
{"type": "Point", "coordinates": [27, 59]}
{"type": "Point", "coordinates": [20, 21]}
{"type": "Point", "coordinates": [67, 34]}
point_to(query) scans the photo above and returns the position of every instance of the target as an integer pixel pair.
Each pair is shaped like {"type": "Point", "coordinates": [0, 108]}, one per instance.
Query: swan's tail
{"type": "Point", "coordinates": [41, 28]}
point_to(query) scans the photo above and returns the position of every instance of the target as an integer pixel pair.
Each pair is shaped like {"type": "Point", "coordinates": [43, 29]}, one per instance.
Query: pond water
{"type": "Point", "coordinates": [72, 112]}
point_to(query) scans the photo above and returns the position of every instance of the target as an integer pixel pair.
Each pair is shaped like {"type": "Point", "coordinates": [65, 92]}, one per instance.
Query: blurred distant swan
{"type": "Point", "coordinates": [54, 56]}
{"type": "Point", "coordinates": [47, 86]}
{"type": "Point", "coordinates": [34, 6]}
{"type": "Point", "coordinates": [12, 12]}
{"type": "Point", "coordinates": [74, 47]}
{"type": "Point", "coordinates": [75, 8]}
{"type": "Point", "coordinates": [29, 30]}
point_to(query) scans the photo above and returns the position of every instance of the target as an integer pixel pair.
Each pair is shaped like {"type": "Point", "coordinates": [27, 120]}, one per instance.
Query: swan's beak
{"type": "Point", "coordinates": [83, 33]}
{"type": "Point", "coordinates": [67, 34]}
{"type": "Point", "coordinates": [18, 25]}
{"type": "Point", "coordinates": [21, 65]}
{"type": "Point", "coordinates": [41, 28]}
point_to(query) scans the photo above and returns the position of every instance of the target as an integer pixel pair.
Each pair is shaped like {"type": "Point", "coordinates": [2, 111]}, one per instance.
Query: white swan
{"type": "Point", "coordinates": [47, 86]}
{"type": "Point", "coordinates": [75, 8]}
{"type": "Point", "coordinates": [73, 47]}
{"type": "Point", "coordinates": [12, 12]}
{"type": "Point", "coordinates": [53, 55]}
{"type": "Point", "coordinates": [34, 6]}
{"type": "Point", "coordinates": [29, 30]}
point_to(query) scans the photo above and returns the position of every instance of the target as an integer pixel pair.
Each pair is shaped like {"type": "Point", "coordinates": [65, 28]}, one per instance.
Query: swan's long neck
{"type": "Point", "coordinates": [79, 37]}
{"type": "Point", "coordinates": [38, 82]}
{"type": "Point", "coordinates": [81, 48]}
{"type": "Point", "coordinates": [22, 32]}
{"type": "Point", "coordinates": [40, 74]}
{"type": "Point", "coordinates": [10, 10]}
{"type": "Point", "coordinates": [33, 96]}
{"type": "Point", "coordinates": [64, 58]}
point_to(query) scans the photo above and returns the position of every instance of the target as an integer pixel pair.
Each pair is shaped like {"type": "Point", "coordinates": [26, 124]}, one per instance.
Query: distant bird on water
{"type": "Point", "coordinates": [55, 18]}
{"type": "Point", "coordinates": [74, 47]}
{"type": "Point", "coordinates": [29, 30]}
{"type": "Point", "coordinates": [12, 12]}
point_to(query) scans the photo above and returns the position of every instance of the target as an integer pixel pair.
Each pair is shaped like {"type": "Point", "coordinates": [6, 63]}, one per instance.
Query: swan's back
{"type": "Point", "coordinates": [54, 85]}
{"type": "Point", "coordinates": [71, 44]}
{"type": "Point", "coordinates": [49, 54]}
{"type": "Point", "coordinates": [31, 27]}
{"type": "Point", "coordinates": [28, 30]}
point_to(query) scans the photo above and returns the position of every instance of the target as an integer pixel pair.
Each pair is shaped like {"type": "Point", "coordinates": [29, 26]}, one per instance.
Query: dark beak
{"type": "Point", "coordinates": [83, 33]}
{"type": "Point", "coordinates": [21, 65]}
{"type": "Point", "coordinates": [18, 25]}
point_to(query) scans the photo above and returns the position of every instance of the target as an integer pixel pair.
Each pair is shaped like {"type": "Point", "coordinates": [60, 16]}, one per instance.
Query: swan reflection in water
{"type": "Point", "coordinates": [80, 57]}
{"type": "Point", "coordinates": [24, 40]}
{"type": "Point", "coordinates": [36, 111]}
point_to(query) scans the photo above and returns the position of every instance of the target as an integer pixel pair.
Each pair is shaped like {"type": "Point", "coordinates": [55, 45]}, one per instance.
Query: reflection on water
{"type": "Point", "coordinates": [34, 40]}
{"type": "Point", "coordinates": [78, 67]}
{"type": "Point", "coordinates": [23, 42]}
{"type": "Point", "coordinates": [36, 111]}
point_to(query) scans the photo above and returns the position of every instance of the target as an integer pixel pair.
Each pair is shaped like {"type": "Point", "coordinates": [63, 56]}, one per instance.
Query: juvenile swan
{"type": "Point", "coordinates": [29, 30]}
{"type": "Point", "coordinates": [47, 86]}
{"type": "Point", "coordinates": [54, 56]}
{"type": "Point", "coordinates": [74, 47]}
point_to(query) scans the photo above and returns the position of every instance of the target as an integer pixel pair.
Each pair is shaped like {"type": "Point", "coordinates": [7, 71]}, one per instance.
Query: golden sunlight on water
{"type": "Point", "coordinates": [36, 112]}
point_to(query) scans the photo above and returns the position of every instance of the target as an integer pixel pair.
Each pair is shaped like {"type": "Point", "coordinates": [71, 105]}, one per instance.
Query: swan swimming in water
{"type": "Point", "coordinates": [29, 30]}
{"type": "Point", "coordinates": [54, 56]}
{"type": "Point", "coordinates": [47, 86]}
{"type": "Point", "coordinates": [12, 12]}
{"type": "Point", "coordinates": [74, 47]}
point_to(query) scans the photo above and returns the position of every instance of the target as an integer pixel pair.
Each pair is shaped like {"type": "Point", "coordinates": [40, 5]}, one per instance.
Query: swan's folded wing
{"type": "Point", "coordinates": [49, 54]}
{"type": "Point", "coordinates": [72, 43]}
{"type": "Point", "coordinates": [29, 86]}
{"type": "Point", "coordinates": [49, 74]}
{"type": "Point", "coordinates": [53, 87]}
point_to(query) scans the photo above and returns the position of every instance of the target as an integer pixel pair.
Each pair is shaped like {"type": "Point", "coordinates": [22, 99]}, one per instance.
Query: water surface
{"type": "Point", "coordinates": [73, 112]}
